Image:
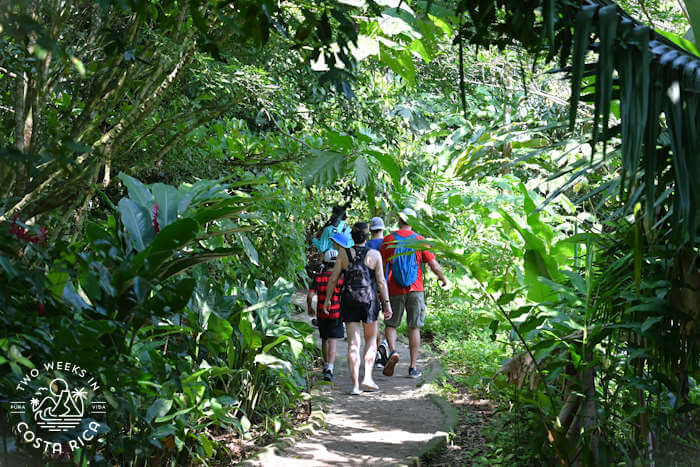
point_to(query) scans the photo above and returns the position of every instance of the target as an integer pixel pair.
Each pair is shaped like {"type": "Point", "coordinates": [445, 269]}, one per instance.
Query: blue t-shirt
{"type": "Point", "coordinates": [375, 243]}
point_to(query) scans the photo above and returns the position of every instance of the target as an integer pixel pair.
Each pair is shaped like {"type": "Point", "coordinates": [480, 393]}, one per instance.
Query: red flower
{"type": "Point", "coordinates": [19, 232]}
{"type": "Point", "coordinates": [40, 309]}
{"type": "Point", "coordinates": [156, 227]}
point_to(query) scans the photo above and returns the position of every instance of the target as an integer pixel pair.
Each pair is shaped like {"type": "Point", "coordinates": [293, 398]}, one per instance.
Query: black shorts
{"type": "Point", "coordinates": [331, 328]}
{"type": "Point", "coordinates": [367, 314]}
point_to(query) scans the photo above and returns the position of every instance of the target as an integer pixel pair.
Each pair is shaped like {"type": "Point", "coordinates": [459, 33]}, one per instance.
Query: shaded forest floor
{"type": "Point", "coordinates": [468, 445]}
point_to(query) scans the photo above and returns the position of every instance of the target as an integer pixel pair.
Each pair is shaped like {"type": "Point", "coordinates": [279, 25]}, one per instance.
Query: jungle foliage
{"type": "Point", "coordinates": [567, 222]}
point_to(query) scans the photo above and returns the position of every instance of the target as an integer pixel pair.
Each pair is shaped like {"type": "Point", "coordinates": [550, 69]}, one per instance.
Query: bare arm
{"type": "Point", "coordinates": [310, 302]}
{"type": "Point", "coordinates": [435, 267]}
{"type": "Point", "coordinates": [382, 289]}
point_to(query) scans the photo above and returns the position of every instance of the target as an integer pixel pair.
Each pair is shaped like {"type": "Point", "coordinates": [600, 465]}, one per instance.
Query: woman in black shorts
{"type": "Point", "coordinates": [359, 309]}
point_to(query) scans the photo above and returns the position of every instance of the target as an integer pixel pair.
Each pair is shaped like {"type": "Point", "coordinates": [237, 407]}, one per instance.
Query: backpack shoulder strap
{"type": "Point", "coordinates": [351, 253]}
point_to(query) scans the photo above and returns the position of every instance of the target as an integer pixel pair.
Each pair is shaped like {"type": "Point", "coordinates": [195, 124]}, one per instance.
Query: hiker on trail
{"type": "Point", "coordinates": [362, 270]}
{"type": "Point", "coordinates": [406, 289]}
{"type": "Point", "coordinates": [334, 225]}
{"type": "Point", "coordinates": [330, 327]}
{"type": "Point", "coordinates": [376, 227]}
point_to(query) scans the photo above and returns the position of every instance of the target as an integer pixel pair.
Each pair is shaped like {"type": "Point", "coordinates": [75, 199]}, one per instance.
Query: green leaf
{"type": "Point", "coordinates": [684, 43]}
{"type": "Point", "coordinates": [400, 61]}
{"type": "Point", "coordinates": [206, 445]}
{"type": "Point", "coordinates": [389, 165]}
{"type": "Point", "coordinates": [535, 266]}
{"type": "Point", "coordinates": [693, 9]}
{"type": "Point", "coordinates": [607, 21]}
{"type": "Point", "coordinates": [250, 250]}
{"type": "Point", "coordinates": [582, 28]}
{"type": "Point", "coordinates": [324, 167]}
{"type": "Point", "coordinates": [138, 192]}
{"type": "Point", "coordinates": [179, 265]}
{"type": "Point", "coordinates": [167, 197]}
{"type": "Point", "coordinates": [273, 362]}
{"type": "Point", "coordinates": [158, 409]}
{"type": "Point", "coordinates": [137, 221]}
{"type": "Point", "coordinates": [8, 267]}
{"type": "Point", "coordinates": [218, 328]}
{"type": "Point", "coordinates": [361, 169]}
{"type": "Point", "coordinates": [172, 237]}
{"type": "Point", "coordinates": [371, 192]}
{"type": "Point", "coordinates": [173, 415]}
{"type": "Point", "coordinates": [223, 209]}
{"type": "Point", "coordinates": [393, 22]}
{"type": "Point", "coordinates": [71, 296]}
{"type": "Point", "coordinates": [649, 322]}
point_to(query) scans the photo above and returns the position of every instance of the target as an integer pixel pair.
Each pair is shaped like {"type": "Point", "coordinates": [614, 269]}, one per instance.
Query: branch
{"type": "Point", "coordinates": [272, 119]}
{"type": "Point", "coordinates": [139, 112]}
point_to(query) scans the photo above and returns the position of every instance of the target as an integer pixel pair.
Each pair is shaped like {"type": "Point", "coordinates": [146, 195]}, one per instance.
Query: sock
{"type": "Point", "coordinates": [329, 366]}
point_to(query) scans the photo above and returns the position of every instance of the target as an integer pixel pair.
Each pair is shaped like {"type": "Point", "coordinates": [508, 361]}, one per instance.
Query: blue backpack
{"type": "Point", "coordinates": [404, 268]}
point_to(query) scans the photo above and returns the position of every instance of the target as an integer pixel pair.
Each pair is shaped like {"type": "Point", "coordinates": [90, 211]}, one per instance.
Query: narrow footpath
{"type": "Point", "coordinates": [387, 427]}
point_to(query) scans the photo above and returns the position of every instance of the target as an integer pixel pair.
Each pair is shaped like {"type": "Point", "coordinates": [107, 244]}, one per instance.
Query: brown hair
{"type": "Point", "coordinates": [360, 232]}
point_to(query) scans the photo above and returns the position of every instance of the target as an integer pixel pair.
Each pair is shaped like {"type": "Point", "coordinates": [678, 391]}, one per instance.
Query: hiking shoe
{"type": "Point", "coordinates": [414, 373]}
{"type": "Point", "coordinates": [328, 375]}
{"type": "Point", "coordinates": [383, 353]}
{"type": "Point", "coordinates": [390, 364]}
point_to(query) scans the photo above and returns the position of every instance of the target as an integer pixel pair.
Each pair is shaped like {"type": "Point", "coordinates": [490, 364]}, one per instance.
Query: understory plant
{"type": "Point", "coordinates": [188, 354]}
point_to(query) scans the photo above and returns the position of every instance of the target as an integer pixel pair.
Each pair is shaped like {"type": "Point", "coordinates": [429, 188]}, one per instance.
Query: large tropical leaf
{"type": "Point", "coordinates": [167, 197]}
{"type": "Point", "coordinates": [137, 221]}
{"type": "Point", "coordinates": [138, 192]}
{"type": "Point", "coordinates": [389, 165]}
{"type": "Point", "coordinates": [324, 167]}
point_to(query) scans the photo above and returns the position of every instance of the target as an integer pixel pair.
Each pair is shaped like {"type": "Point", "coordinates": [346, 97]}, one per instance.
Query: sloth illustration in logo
{"type": "Point", "coordinates": [60, 408]}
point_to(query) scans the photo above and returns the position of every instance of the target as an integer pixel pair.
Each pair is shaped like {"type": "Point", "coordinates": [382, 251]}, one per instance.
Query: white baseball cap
{"type": "Point", "coordinates": [330, 256]}
{"type": "Point", "coordinates": [407, 213]}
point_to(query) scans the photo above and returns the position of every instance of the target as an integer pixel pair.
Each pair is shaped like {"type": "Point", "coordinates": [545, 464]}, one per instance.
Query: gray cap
{"type": "Point", "coordinates": [376, 223]}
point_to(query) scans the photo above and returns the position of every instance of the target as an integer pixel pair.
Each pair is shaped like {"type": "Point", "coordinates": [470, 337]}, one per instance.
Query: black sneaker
{"type": "Point", "coordinates": [414, 373]}
{"type": "Point", "coordinates": [383, 353]}
{"type": "Point", "coordinates": [328, 375]}
{"type": "Point", "coordinates": [378, 361]}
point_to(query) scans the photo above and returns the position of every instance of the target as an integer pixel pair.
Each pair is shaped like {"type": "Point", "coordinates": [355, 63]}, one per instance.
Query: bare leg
{"type": "Point", "coordinates": [332, 345]}
{"type": "Point", "coordinates": [414, 344]}
{"type": "Point", "coordinates": [354, 342]}
{"type": "Point", "coordinates": [324, 350]}
{"type": "Point", "coordinates": [390, 334]}
{"type": "Point", "coordinates": [370, 350]}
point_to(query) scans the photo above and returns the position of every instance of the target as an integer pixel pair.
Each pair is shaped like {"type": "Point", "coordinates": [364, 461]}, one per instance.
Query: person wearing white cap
{"type": "Point", "coordinates": [376, 227]}
{"type": "Point", "coordinates": [406, 288]}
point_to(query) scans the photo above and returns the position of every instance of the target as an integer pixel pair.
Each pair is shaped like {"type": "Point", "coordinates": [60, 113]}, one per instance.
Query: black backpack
{"type": "Point", "coordinates": [358, 288]}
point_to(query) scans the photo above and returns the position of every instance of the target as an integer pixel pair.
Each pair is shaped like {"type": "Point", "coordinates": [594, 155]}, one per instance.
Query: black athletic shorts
{"type": "Point", "coordinates": [331, 328]}
{"type": "Point", "coordinates": [367, 314]}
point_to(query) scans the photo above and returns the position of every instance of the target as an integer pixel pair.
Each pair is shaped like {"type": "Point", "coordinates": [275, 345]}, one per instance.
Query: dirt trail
{"type": "Point", "coordinates": [374, 428]}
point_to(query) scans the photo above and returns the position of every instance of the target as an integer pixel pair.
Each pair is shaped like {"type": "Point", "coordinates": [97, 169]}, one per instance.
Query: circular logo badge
{"type": "Point", "coordinates": [58, 405]}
